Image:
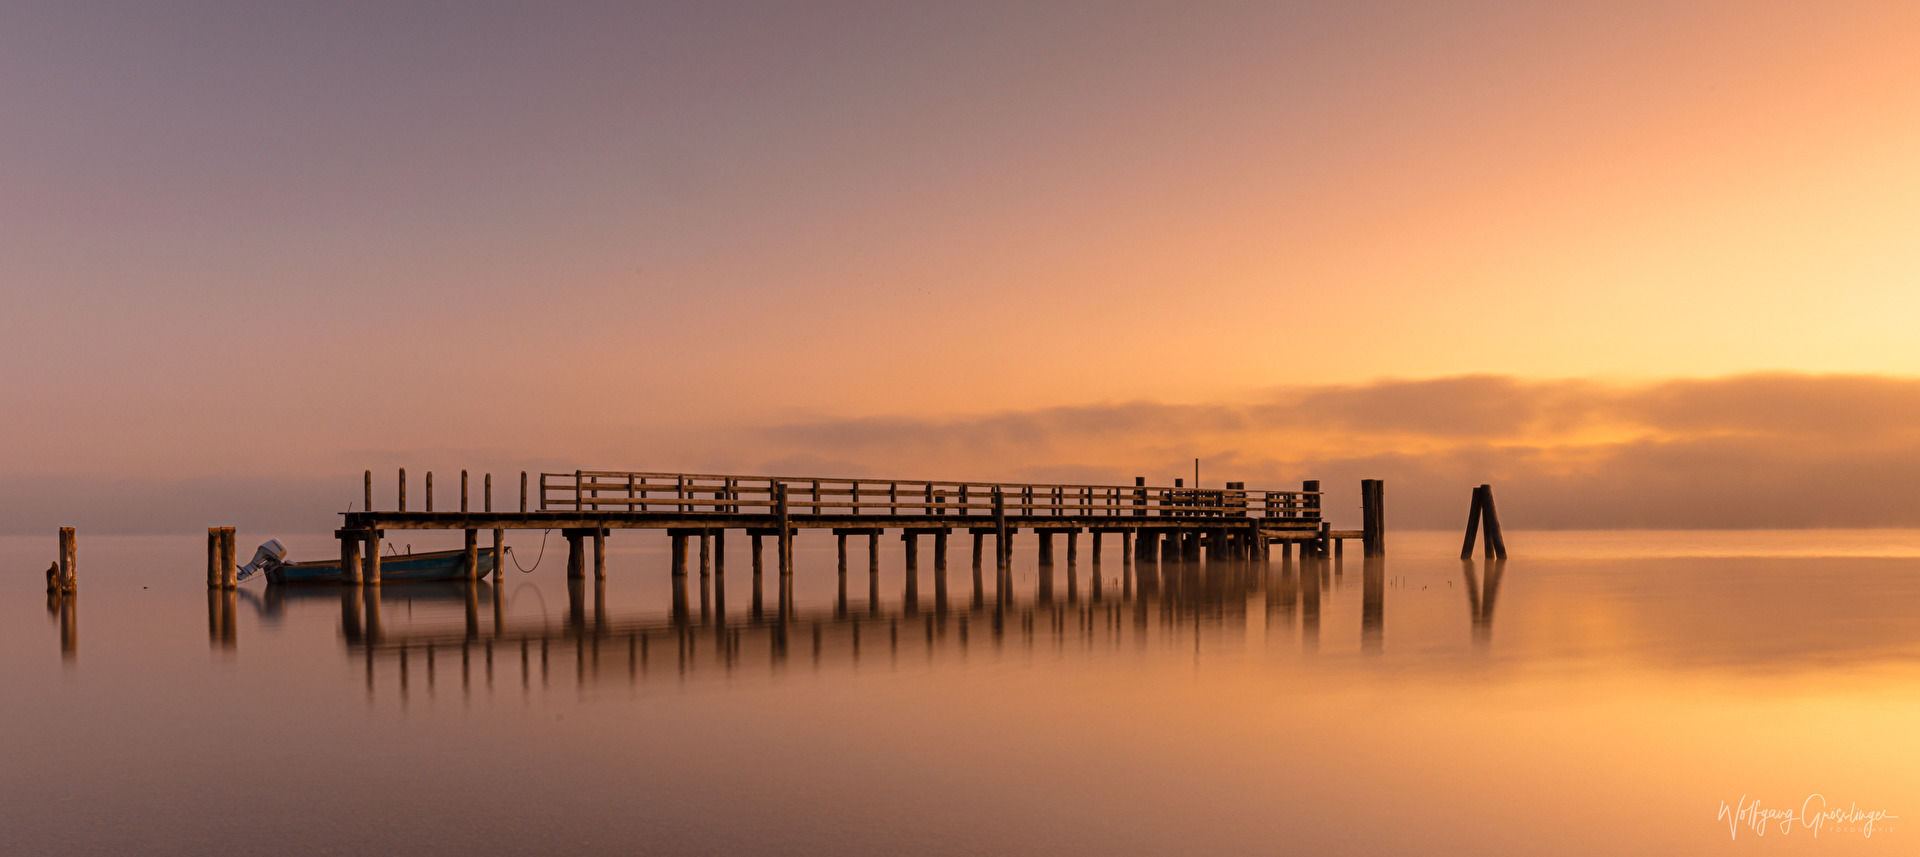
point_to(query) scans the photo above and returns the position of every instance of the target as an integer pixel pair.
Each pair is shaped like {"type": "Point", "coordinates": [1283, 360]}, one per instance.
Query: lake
{"type": "Point", "coordinates": [1599, 693]}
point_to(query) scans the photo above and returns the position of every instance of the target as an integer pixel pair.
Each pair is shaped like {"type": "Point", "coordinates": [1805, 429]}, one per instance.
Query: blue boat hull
{"type": "Point", "coordinates": [402, 568]}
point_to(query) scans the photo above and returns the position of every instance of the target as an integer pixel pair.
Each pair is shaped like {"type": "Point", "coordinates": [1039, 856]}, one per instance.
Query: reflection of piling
{"type": "Point", "coordinates": [577, 603]}
{"type": "Point", "coordinates": [1373, 602]}
{"type": "Point", "coordinates": [350, 627]}
{"type": "Point", "coordinates": [1310, 571]}
{"type": "Point", "coordinates": [1480, 600]}
{"type": "Point", "coordinates": [69, 625]}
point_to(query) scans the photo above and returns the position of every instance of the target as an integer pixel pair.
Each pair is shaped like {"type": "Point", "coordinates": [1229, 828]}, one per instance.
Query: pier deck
{"type": "Point", "coordinates": [1175, 521]}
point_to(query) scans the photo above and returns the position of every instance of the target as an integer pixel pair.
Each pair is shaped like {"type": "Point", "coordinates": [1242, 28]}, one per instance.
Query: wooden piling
{"type": "Point", "coordinates": [499, 555]}
{"type": "Point", "coordinates": [463, 491]}
{"type": "Point", "coordinates": [213, 557]}
{"type": "Point", "coordinates": [1046, 547]}
{"type": "Point", "coordinates": [873, 552]}
{"type": "Point", "coordinates": [599, 553]}
{"type": "Point", "coordinates": [349, 557]}
{"type": "Point", "coordinates": [912, 540]}
{"type": "Point", "coordinates": [403, 489]}
{"type": "Point", "coordinates": [1073, 546]}
{"type": "Point", "coordinates": [486, 491]}
{"type": "Point", "coordinates": [1373, 510]}
{"type": "Point", "coordinates": [719, 552]}
{"type": "Point", "coordinates": [429, 490]}
{"type": "Point", "coordinates": [782, 517]}
{"type": "Point", "coordinates": [679, 542]}
{"type": "Point", "coordinates": [576, 554]}
{"type": "Point", "coordinates": [370, 567]}
{"type": "Point", "coordinates": [759, 552]}
{"type": "Point", "coordinates": [1001, 551]}
{"type": "Point", "coordinates": [1496, 541]}
{"type": "Point", "coordinates": [523, 492]}
{"type": "Point", "coordinates": [368, 507]}
{"type": "Point", "coordinates": [1126, 548]}
{"type": "Point", "coordinates": [470, 557]}
{"type": "Point", "coordinates": [841, 540]}
{"type": "Point", "coordinates": [940, 552]}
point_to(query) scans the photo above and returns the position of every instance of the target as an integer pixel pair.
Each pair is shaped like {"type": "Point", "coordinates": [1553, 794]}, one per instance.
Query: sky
{"type": "Point", "coordinates": [1638, 264]}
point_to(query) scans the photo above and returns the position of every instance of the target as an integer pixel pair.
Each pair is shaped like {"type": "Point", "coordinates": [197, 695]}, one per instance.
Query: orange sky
{"type": "Point", "coordinates": [291, 243]}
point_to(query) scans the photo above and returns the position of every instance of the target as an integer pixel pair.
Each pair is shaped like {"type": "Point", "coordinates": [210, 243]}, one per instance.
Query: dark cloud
{"type": "Point", "coordinates": [1746, 451]}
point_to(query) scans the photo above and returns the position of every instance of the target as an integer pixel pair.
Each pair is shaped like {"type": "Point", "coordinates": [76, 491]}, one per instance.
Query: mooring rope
{"type": "Point", "coordinates": [536, 560]}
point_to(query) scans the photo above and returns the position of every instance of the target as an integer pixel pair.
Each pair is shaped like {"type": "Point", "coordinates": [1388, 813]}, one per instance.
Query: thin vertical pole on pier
{"type": "Point", "coordinates": [499, 557]}
{"type": "Point", "coordinates": [600, 554]}
{"type": "Point", "coordinates": [523, 491]}
{"type": "Point", "coordinates": [470, 555]}
{"type": "Point", "coordinates": [463, 490]}
{"type": "Point", "coordinates": [781, 516]}
{"type": "Point", "coordinates": [1000, 528]}
{"type": "Point", "coordinates": [403, 489]}
{"type": "Point", "coordinates": [486, 491]}
{"type": "Point", "coordinates": [1473, 523]}
{"type": "Point", "coordinates": [429, 490]}
{"type": "Point", "coordinates": [369, 489]}
{"type": "Point", "coordinates": [370, 568]}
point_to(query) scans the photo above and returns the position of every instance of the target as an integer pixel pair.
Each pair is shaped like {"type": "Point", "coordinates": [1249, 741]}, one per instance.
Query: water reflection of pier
{"type": "Point", "coordinates": [698, 631]}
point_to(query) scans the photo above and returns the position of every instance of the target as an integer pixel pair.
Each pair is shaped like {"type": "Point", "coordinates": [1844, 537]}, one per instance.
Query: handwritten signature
{"type": "Point", "coordinates": [1813, 813]}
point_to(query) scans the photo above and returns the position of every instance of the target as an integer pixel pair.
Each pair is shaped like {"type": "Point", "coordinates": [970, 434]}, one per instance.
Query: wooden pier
{"type": "Point", "coordinates": [1174, 522]}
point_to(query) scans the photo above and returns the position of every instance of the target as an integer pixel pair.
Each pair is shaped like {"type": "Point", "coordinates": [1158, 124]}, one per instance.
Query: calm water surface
{"type": "Point", "coordinates": [1601, 693]}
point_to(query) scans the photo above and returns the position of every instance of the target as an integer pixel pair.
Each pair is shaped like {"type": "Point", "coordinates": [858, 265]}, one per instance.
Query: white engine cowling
{"type": "Point", "coordinates": [267, 555]}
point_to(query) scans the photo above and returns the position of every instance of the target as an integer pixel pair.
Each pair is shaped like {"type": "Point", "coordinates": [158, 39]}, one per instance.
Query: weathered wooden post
{"type": "Point", "coordinates": [1001, 552]}
{"type": "Point", "coordinates": [720, 552]}
{"type": "Point", "coordinates": [782, 516]}
{"type": "Point", "coordinates": [1482, 512]}
{"type": "Point", "coordinates": [977, 537]}
{"type": "Point", "coordinates": [370, 568]}
{"type": "Point", "coordinates": [349, 557]}
{"type": "Point", "coordinates": [470, 557]}
{"type": "Point", "coordinates": [499, 556]}
{"type": "Point", "coordinates": [1126, 548]}
{"type": "Point", "coordinates": [873, 551]}
{"type": "Point", "coordinates": [369, 490]}
{"type": "Point", "coordinates": [940, 552]}
{"type": "Point", "coordinates": [403, 489]}
{"type": "Point", "coordinates": [576, 554]}
{"type": "Point", "coordinates": [1373, 508]}
{"type": "Point", "coordinates": [1046, 547]}
{"type": "Point", "coordinates": [69, 560]}
{"type": "Point", "coordinates": [912, 540]}
{"type": "Point", "coordinates": [429, 490]}
{"type": "Point", "coordinates": [679, 542]}
{"type": "Point", "coordinates": [523, 492]}
{"type": "Point", "coordinates": [1073, 546]}
{"type": "Point", "coordinates": [463, 491]}
{"type": "Point", "coordinates": [600, 553]}
{"type": "Point", "coordinates": [706, 555]}
{"type": "Point", "coordinates": [841, 539]}
{"type": "Point", "coordinates": [759, 552]}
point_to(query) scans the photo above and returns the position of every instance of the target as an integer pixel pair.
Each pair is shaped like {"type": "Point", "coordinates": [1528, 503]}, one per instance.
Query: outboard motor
{"type": "Point", "coordinates": [265, 557]}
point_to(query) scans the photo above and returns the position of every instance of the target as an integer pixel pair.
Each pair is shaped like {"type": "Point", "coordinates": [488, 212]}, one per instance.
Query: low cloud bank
{"type": "Point", "coordinates": [1771, 450]}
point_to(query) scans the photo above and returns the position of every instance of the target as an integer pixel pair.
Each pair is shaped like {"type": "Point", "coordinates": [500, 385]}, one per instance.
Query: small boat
{"type": "Point", "coordinates": [394, 568]}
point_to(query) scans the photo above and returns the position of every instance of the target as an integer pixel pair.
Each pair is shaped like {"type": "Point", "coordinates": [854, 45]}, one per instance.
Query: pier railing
{"type": "Point", "coordinates": [689, 493]}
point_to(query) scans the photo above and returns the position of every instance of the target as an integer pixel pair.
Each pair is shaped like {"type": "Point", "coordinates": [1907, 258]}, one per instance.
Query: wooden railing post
{"type": "Point", "coordinates": [369, 487]}
{"type": "Point", "coordinates": [463, 490]}
{"type": "Point", "coordinates": [403, 489]}
{"type": "Point", "coordinates": [781, 515]}
{"type": "Point", "coordinates": [429, 490]}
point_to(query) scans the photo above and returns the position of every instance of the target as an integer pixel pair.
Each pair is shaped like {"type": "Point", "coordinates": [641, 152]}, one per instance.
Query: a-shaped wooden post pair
{"type": "Point", "coordinates": [1483, 512]}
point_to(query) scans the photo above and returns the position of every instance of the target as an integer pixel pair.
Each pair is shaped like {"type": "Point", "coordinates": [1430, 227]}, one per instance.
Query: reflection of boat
{"type": "Point", "coordinates": [437, 565]}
